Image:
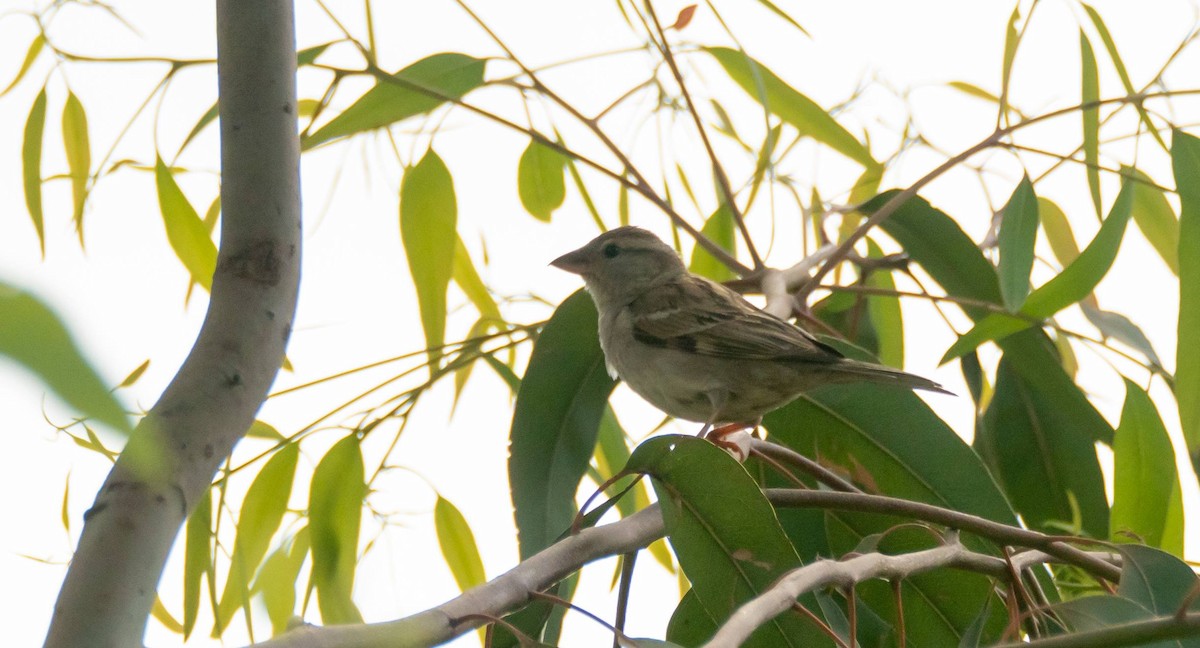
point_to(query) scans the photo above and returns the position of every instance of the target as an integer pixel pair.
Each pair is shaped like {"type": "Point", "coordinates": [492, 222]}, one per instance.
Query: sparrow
{"type": "Point", "coordinates": [697, 350]}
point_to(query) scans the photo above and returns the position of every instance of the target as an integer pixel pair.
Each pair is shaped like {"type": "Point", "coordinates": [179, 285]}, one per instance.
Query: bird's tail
{"type": "Point", "coordinates": [887, 376]}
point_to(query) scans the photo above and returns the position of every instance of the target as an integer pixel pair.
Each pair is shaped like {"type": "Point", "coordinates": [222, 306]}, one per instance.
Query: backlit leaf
{"type": "Point", "coordinates": [135, 374]}
{"type": "Point", "coordinates": [1185, 160]}
{"type": "Point", "coordinates": [1147, 499]}
{"type": "Point", "coordinates": [186, 233]}
{"type": "Point", "coordinates": [884, 311]}
{"type": "Point", "coordinates": [719, 228]}
{"type": "Point", "coordinates": [31, 165]}
{"type": "Point", "coordinates": [1058, 231]}
{"type": "Point", "coordinates": [1111, 46]}
{"type": "Point", "coordinates": [277, 580]}
{"type": "Point", "coordinates": [428, 218]}
{"type": "Point", "coordinates": [79, 155]}
{"type": "Point", "coordinates": [1018, 233]}
{"type": "Point", "coordinates": [1155, 217]}
{"type": "Point", "coordinates": [197, 561]}
{"type": "Point", "coordinates": [1091, 118]}
{"type": "Point", "coordinates": [540, 180]}
{"type": "Point", "coordinates": [334, 514]}
{"type": "Point", "coordinates": [458, 545]}
{"type": "Point", "coordinates": [35, 48]}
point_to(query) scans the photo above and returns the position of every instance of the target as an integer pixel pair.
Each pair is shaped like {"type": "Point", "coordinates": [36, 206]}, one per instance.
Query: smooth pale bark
{"type": "Point", "coordinates": [173, 454]}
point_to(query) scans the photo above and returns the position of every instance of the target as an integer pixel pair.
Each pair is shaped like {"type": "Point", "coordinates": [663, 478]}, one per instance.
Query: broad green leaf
{"type": "Point", "coordinates": [428, 218]}
{"type": "Point", "coordinates": [690, 623]}
{"type": "Point", "coordinates": [458, 545]}
{"type": "Point", "coordinates": [418, 88]}
{"type": "Point", "coordinates": [207, 118]}
{"type": "Point", "coordinates": [35, 48]}
{"type": "Point", "coordinates": [555, 423]}
{"type": "Point", "coordinates": [197, 561]}
{"type": "Point", "coordinates": [1041, 463]}
{"type": "Point", "coordinates": [610, 456]}
{"type": "Point", "coordinates": [1072, 285]}
{"type": "Point", "coordinates": [1154, 216]}
{"type": "Point", "coordinates": [31, 165]}
{"type": "Point", "coordinates": [1146, 491]}
{"type": "Point", "coordinates": [277, 580]}
{"type": "Point", "coordinates": [1058, 231]}
{"type": "Point", "coordinates": [790, 105]}
{"type": "Point", "coordinates": [1111, 46]}
{"type": "Point", "coordinates": [1018, 233]}
{"type": "Point", "coordinates": [1091, 118]}
{"type": "Point", "coordinates": [335, 504]}
{"type": "Point", "coordinates": [1185, 160]}
{"type": "Point", "coordinates": [35, 338]}
{"type": "Point", "coordinates": [1092, 613]}
{"type": "Point", "coordinates": [719, 228]}
{"type": "Point", "coordinates": [885, 314]}
{"type": "Point", "coordinates": [728, 540]}
{"type": "Point", "coordinates": [467, 278]}
{"type": "Point", "coordinates": [540, 180]}
{"type": "Point", "coordinates": [260, 516]}
{"type": "Point", "coordinates": [79, 154]}
{"type": "Point", "coordinates": [1156, 580]}
{"type": "Point", "coordinates": [186, 233]}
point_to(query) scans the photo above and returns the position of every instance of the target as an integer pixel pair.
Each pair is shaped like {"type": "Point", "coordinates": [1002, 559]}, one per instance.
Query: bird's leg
{"type": "Point", "coordinates": [717, 400]}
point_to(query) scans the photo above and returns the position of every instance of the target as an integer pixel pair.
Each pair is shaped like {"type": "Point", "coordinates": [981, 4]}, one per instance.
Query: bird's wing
{"type": "Point", "coordinates": [698, 316]}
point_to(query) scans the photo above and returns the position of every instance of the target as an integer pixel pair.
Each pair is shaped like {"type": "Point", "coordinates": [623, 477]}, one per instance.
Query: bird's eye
{"type": "Point", "coordinates": [611, 250]}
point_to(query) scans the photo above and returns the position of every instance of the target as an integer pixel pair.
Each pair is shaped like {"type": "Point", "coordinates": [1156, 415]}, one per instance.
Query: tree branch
{"type": "Point", "coordinates": [175, 450]}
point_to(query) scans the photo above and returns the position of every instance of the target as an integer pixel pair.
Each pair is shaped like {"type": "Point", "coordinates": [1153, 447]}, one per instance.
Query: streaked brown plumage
{"type": "Point", "coordinates": [696, 349]}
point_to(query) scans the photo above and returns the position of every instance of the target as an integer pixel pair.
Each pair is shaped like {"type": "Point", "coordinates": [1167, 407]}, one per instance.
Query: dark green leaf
{"type": "Point", "coordinates": [1091, 118]}
{"type": "Point", "coordinates": [197, 561]}
{"type": "Point", "coordinates": [1093, 613]}
{"type": "Point", "coordinates": [428, 221]}
{"type": "Point", "coordinates": [555, 422]}
{"type": "Point", "coordinates": [458, 545]}
{"type": "Point", "coordinates": [719, 228]}
{"type": "Point", "coordinates": [1147, 499]}
{"type": "Point", "coordinates": [262, 512]}
{"type": "Point", "coordinates": [1043, 465]}
{"type": "Point", "coordinates": [1185, 160]}
{"type": "Point", "coordinates": [1018, 233]}
{"type": "Point", "coordinates": [885, 314]}
{"type": "Point", "coordinates": [79, 154]}
{"type": "Point", "coordinates": [690, 623]}
{"type": "Point", "coordinates": [186, 233]}
{"type": "Point", "coordinates": [335, 504]}
{"type": "Point", "coordinates": [31, 165]}
{"type": "Point", "coordinates": [418, 88]}
{"type": "Point", "coordinates": [33, 336]}
{"type": "Point", "coordinates": [540, 180]}
{"type": "Point", "coordinates": [1154, 216]}
{"type": "Point", "coordinates": [1155, 579]}
{"type": "Point", "coordinates": [790, 105]}
{"type": "Point", "coordinates": [727, 539]}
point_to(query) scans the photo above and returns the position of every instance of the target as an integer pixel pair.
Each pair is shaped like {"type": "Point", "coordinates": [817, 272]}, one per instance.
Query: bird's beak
{"type": "Point", "coordinates": [575, 262]}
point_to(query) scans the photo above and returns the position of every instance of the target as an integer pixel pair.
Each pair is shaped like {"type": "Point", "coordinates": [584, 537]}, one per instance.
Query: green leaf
{"type": "Point", "coordinates": [428, 218]}
{"type": "Point", "coordinates": [186, 233]}
{"type": "Point", "coordinates": [260, 517]}
{"type": "Point", "coordinates": [35, 338]}
{"type": "Point", "coordinates": [719, 228]}
{"type": "Point", "coordinates": [1111, 46]}
{"type": "Point", "coordinates": [1154, 216]}
{"type": "Point", "coordinates": [79, 154]}
{"type": "Point", "coordinates": [1122, 329]}
{"type": "Point", "coordinates": [35, 48]}
{"type": "Point", "coordinates": [789, 104]}
{"type": "Point", "coordinates": [1092, 613]}
{"type": "Point", "coordinates": [467, 278]}
{"type": "Point", "coordinates": [555, 422]}
{"type": "Point", "coordinates": [584, 194]}
{"type": "Point", "coordinates": [884, 311]}
{"type": "Point", "coordinates": [1042, 462]}
{"type": "Point", "coordinates": [728, 540]}
{"type": "Point", "coordinates": [277, 580]}
{"type": "Point", "coordinates": [31, 165]}
{"type": "Point", "coordinates": [1147, 499]}
{"type": "Point", "coordinates": [623, 205]}
{"type": "Point", "coordinates": [309, 55]}
{"type": "Point", "coordinates": [263, 430]}
{"type": "Point", "coordinates": [417, 89]}
{"type": "Point", "coordinates": [1012, 39]}
{"type": "Point", "coordinates": [135, 374]}
{"type": "Point", "coordinates": [207, 118]}
{"type": "Point", "coordinates": [334, 514]}
{"type": "Point", "coordinates": [1091, 118]}
{"type": "Point", "coordinates": [1072, 285]}
{"type": "Point", "coordinates": [779, 12]}
{"type": "Point", "coordinates": [458, 545]}
{"type": "Point", "coordinates": [1018, 233]}
{"type": "Point", "coordinates": [690, 623]}
{"type": "Point", "coordinates": [1058, 231]}
{"type": "Point", "coordinates": [540, 180]}
{"type": "Point", "coordinates": [1155, 579]}
{"type": "Point", "coordinates": [1185, 160]}
{"type": "Point", "coordinates": [197, 561]}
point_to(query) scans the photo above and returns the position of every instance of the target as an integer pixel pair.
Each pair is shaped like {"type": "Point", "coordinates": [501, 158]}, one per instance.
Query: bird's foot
{"type": "Point", "coordinates": [733, 438]}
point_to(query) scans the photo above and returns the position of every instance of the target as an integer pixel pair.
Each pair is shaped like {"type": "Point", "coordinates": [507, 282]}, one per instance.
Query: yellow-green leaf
{"type": "Point", "coordinates": [31, 164]}
{"type": "Point", "coordinates": [277, 580]}
{"type": "Point", "coordinates": [458, 545]}
{"type": "Point", "coordinates": [1185, 160]}
{"type": "Point", "coordinates": [31, 54]}
{"type": "Point", "coordinates": [719, 228]}
{"type": "Point", "coordinates": [334, 514]}
{"type": "Point", "coordinates": [428, 218]}
{"type": "Point", "coordinates": [884, 311]}
{"type": "Point", "coordinates": [1154, 216]}
{"type": "Point", "coordinates": [207, 118]}
{"type": "Point", "coordinates": [135, 374]}
{"type": "Point", "coordinates": [79, 155]}
{"type": "Point", "coordinates": [186, 233]}
{"type": "Point", "coordinates": [789, 104]}
{"type": "Point", "coordinates": [263, 430]}
{"type": "Point", "coordinates": [1091, 118]}
{"type": "Point", "coordinates": [1147, 500]}
{"type": "Point", "coordinates": [33, 336]}
{"type": "Point", "coordinates": [1012, 38]}
{"type": "Point", "coordinates": [1111, 46]}
{"type": "Point", "coordinates": [197, 560]}
{"type": "Point", "coordinates": [540, 180]}
{"type": "Point", "coordinates": [1058, 231]}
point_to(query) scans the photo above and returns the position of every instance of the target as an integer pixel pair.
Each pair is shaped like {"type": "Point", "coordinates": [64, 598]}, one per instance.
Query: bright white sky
{"type": "Point", "coordinates": [124, 297]}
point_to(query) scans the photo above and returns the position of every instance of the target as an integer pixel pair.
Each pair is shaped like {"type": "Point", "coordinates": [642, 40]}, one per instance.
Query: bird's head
{"type": "Point", "coordinates": [621, 264]}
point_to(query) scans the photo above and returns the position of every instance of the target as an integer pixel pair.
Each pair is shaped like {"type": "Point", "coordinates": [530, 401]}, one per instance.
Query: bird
{"type": "Point", "coordinates": [698, 350]}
